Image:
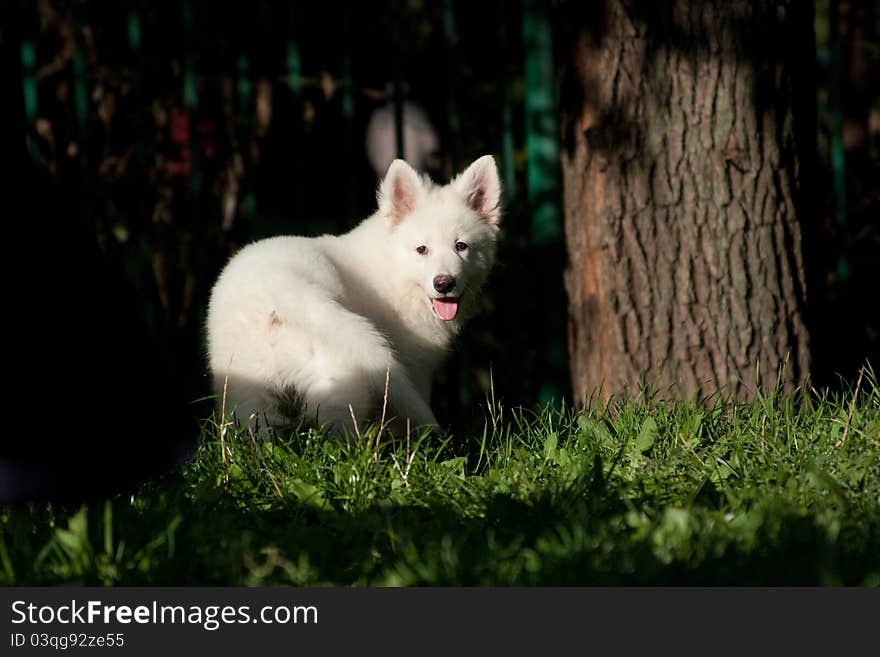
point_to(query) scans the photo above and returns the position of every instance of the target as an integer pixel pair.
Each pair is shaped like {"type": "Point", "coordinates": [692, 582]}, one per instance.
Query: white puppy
{"type": "Point", "coordinates": [307, 328]}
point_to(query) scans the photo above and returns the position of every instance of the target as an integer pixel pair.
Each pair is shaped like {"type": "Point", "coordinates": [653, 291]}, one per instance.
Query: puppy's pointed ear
{"type": "Point", "coordinates": [399, 192]}
{"type": "Point", "coordinates": [481, 188]}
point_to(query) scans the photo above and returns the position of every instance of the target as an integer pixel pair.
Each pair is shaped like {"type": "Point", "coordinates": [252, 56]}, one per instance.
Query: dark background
{"type": "Point", "coordinates": [139, 118]}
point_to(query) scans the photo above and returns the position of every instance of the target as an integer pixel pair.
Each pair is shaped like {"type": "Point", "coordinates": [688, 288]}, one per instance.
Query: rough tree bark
{"type": "Point", "coordinates": [681, 138]}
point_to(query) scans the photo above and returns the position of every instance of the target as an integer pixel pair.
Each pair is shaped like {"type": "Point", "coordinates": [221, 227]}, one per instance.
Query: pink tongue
{"type": "Point", "coordinates": [445, 308]}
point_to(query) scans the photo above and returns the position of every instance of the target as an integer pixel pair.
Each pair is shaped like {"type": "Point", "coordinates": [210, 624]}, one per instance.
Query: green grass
{"type": "Point", "coordinates": [785, 490]}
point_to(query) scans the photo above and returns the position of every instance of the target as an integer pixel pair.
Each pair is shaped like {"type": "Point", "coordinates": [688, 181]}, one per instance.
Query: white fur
{"type": "Point", "coordinates": [322, 319]}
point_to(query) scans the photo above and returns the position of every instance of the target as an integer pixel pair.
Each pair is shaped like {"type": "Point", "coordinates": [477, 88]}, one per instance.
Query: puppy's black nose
{"type": "Point", "coordinates": [444, 283]}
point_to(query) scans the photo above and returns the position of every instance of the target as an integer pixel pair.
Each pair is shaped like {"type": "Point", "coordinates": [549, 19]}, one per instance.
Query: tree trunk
{"type": "Point", "coordinates": [681, 161]}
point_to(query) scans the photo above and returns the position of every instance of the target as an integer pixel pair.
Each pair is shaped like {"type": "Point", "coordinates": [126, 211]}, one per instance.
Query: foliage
{"type": "Point", "coordinates": [785, 490]}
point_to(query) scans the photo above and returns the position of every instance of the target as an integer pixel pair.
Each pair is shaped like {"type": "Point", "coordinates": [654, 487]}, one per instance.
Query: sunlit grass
{"type": "Point", "coordinates": [784, 490]}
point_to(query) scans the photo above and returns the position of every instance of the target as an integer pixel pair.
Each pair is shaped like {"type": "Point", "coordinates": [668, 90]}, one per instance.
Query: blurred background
{"type": "Point", "coordinates": [161, 136]}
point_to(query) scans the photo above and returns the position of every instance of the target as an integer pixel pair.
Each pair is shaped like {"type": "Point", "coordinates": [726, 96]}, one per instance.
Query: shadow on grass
{"type": "Point", "coordinates": [584, 535]}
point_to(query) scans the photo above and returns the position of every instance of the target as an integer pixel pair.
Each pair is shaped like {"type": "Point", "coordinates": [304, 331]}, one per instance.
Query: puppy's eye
{"type": "Point", "coordinates": [422, 250]}
{"type": "Point", "coordinates": [461, 246]}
